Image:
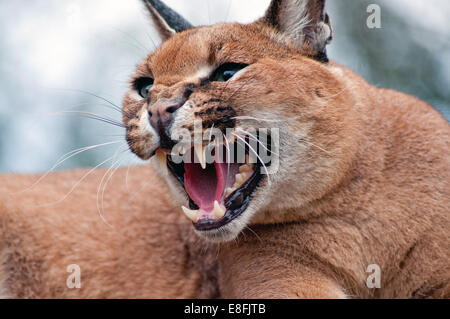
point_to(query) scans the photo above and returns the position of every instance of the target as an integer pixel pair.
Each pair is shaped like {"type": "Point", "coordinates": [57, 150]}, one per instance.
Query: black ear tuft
{"type": "Point", "coordinates": [167, 21]}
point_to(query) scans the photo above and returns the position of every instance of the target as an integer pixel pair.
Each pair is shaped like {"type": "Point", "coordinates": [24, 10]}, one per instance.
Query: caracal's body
{"type": "Point", "coordinates": [369, 192]}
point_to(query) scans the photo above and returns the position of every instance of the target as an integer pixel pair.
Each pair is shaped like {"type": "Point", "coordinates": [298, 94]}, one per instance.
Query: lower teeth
{"type": "Point", "coordinates": [219, 210]}
{"type": "Point", "coordinates": [191, 214]}
{"type": "Point", "coordinates": [229, 191]}
{"type": "Point", "coordinates": [194, 215]}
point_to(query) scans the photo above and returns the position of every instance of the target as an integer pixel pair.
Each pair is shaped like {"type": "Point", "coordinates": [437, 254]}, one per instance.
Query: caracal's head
{"type": "Point", "coordinates": [249, 123]}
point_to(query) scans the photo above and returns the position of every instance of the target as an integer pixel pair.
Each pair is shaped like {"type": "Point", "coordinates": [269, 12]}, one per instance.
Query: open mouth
{"type": "Point", "coordinates": [219, 183]}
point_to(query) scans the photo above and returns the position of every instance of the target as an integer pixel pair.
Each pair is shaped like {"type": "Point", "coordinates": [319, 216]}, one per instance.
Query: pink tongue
{"type": "Point", "coordinates": [204, 186]}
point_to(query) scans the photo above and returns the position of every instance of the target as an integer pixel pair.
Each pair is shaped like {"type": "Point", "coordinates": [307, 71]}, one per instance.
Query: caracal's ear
{"type": "Point", "coordinates": [166, 20]}
{"type": "Point", "coordinates": [304, 21]}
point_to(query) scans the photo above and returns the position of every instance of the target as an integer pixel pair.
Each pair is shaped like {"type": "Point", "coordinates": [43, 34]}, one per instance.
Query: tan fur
{"type": "Point", "coordinates": [363, 179]}
{"type": "Point", "coordinates": [122, 259]}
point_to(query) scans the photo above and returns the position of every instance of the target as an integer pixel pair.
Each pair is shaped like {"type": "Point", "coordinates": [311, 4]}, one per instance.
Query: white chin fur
{"type": "Point", "coordinates": [231, 230]}
{"type": "Point", "coordinates": [225, 233]}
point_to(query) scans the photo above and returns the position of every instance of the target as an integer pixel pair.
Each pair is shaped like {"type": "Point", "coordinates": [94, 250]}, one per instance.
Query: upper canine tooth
{"type": "Point", "coordinates": [200, 151]}
{"type": "Point", "coordinates": [162, 160]}
{"type": "Point", "coordinates": [191, 214]}
{"type": "Point", "coordinates": [219, 211]}
{"type": "Point", "coordinates": [250, 159]}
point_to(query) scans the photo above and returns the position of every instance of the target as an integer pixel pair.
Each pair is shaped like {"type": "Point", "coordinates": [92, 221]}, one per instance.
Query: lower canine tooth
{"type": "Point", "coordinates": [191, 214]}
{"type": "Point", "coordinates": [219, 211]}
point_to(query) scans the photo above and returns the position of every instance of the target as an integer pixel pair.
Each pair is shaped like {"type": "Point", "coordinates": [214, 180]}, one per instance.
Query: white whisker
{"type": "Point", "coordinates": [257, 236]}
{"type": "Point", "coordinates": [137, 44]}
{"type": "Point", "coordinates": [253, 119]}
{"type": "Point", "coordinates": [111, 171]}
{"type": "Point", "coordinates": [317, 146]}
{"type": "Point", "coordinates": [95, 104]}
{"type": "Point", "coordinates": [256, 154]}
{"type": "Point", "coordinates": [127, 176]}
{"type": "Point", "coordinates": [151, 39]}
{"type": "Point", "coordinates": [64, 158]}
{"type": "Point", "coordinates": [91, 94]}
{"type": "Point", "coordinates": [257, 140]}
{"type": "Point", "coordinates": [92, 116]}
{"type": "Point", "coordinates": [227, 146]}
{"type": "Point", "coordinates": [77, 183]}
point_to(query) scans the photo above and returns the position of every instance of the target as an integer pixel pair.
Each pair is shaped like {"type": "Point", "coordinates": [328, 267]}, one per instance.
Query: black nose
{"type": "Point", "coordinates": [161, 118]}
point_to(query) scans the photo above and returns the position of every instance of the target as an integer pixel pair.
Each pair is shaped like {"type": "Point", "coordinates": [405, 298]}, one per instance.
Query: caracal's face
{"type": "Point", "coordinates": [245, 128]}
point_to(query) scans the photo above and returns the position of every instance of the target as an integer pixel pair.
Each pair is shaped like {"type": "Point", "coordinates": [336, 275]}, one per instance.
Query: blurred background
{"type": "Point", "coordinates": [62, 57]}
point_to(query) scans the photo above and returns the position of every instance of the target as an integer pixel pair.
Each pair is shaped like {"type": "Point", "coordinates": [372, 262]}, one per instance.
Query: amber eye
{"type": "Point", "coordinates": [143, 86]}
{"type": "Point", "coordinates": [226, 71]}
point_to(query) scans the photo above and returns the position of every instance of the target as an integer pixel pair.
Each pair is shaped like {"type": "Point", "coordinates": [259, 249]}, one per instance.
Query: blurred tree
{"type": "Point", "coordinates": [391, 57]}
{"type": "Point", "coordinates": [36, 44]}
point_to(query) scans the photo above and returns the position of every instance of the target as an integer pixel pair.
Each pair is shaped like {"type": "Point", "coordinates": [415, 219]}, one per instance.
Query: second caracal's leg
{"type": "Point", "coordinates": [131, 246]}
{"type": "Point", "coordinates": [257, 267]}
